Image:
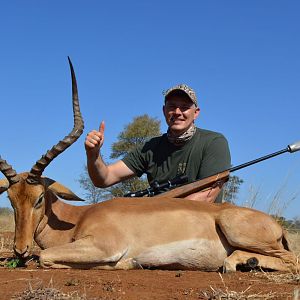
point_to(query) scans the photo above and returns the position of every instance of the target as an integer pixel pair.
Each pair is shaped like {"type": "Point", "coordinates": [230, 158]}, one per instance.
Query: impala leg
{"type": "Point", "coordinates": [253, 259]}
{"type": "Point", "coordinates": [256, 232]}
{"type": "Point", "coordinates": [83, 254]}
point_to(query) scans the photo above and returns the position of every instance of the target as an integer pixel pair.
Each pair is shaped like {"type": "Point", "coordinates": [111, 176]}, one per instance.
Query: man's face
{"type": "Point", "coordinates": [180, 112]}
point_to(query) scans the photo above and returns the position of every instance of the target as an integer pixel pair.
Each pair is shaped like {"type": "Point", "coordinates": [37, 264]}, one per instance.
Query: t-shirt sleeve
{"type": "Point", "coordinates": [216, 157]}
{"type": "Point", "coordinates": [135, 161]}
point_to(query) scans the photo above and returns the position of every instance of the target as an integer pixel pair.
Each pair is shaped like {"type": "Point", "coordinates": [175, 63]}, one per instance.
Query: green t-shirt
{"type": "Point", "coordinates": [205, 154]}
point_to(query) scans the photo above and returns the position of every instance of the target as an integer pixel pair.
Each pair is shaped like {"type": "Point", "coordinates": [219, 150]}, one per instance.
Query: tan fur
{"type": "Point", "coordinates": [127, 233]}
{"type": "Point", "coordinates": [3, 185]}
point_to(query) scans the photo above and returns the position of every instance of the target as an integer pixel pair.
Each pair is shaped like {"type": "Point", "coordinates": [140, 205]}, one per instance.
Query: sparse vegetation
{"type": "Point", "coordinates": [48, 294]}
{"type": "Point", "coordinates": [277, 203]}
{"type": "Point", "coordinates": [7, 223]}
{"type": "Point", "coordinates": [226, 294]}
{"type": "Point", "coordinates": [14, 263]}
{"type": "Point", "coordinates": [280, 278]}
{"type": "Point", "coordinates": [294, 239]}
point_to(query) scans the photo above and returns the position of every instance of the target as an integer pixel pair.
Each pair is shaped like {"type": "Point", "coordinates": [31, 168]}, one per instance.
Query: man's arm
{"type": "Point", "coordinates": [208, 195]}
{"type": "Point", "coordinates": [103, 175]}
{"type": "Point", "coordinates": [205, 189]}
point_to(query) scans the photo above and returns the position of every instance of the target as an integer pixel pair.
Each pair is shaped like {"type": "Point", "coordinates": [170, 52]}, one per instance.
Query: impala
{"type": "Point", "coordinates": [128, 233]}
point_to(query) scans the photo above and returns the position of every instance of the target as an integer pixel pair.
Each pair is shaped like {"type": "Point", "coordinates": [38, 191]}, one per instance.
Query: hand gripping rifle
{"type": "Point", "coordinates": [199, 185]}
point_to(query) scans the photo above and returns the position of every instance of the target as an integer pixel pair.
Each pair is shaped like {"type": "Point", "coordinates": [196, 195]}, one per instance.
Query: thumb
{"type": "Point", "coordinates": [102, 127]}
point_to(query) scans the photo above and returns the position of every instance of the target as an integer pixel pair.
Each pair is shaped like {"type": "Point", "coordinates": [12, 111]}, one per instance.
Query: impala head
{"type": "Point", "coordinates": [28, 191]}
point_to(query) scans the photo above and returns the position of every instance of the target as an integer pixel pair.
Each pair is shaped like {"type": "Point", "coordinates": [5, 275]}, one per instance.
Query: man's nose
{"type": "Point", "coordinates": [177, 110]}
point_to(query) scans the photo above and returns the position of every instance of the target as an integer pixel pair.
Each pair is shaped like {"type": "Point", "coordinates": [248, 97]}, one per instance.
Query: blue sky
{"type": "Point", "coordinates": [241, 57]}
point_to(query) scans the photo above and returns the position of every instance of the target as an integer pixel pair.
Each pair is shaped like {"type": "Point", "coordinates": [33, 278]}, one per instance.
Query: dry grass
{"type": "Point", "coordinates": [294, 240]}
{"type": "Point", "coordinates": [49, 293]}
{"type": "Point", "coordinates": [226, 294]}
{"type": "Point", "coordinates": [6, 243]}
{"type": "Point", "coordinates": [7, 223]}
{"type": "Point", "coordinates": [7, 227]}
{"type": "Point", "coordinates": [280, 278]}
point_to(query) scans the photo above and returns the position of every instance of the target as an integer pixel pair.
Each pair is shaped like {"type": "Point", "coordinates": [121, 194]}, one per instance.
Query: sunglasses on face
{"type": "Point", "coordinates": [182, 107]}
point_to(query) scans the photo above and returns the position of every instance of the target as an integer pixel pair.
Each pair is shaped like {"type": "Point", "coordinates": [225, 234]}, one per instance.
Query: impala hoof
{"type": "Point", "coordinates": [252, 262]}
{"type": "Point", "coordinates": [23, 253]}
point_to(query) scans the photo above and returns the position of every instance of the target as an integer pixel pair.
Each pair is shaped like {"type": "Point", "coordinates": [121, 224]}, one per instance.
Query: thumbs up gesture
{"type": "Point", "coordinates": [94, 140]}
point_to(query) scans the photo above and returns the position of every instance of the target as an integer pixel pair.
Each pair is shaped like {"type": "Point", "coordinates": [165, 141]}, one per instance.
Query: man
{"type": "Point", "coordinates": [183, 150]}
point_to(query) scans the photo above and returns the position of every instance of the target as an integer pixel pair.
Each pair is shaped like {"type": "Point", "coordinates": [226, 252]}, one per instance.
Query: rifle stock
{"type": "Point", "coordinates": [196, 186]}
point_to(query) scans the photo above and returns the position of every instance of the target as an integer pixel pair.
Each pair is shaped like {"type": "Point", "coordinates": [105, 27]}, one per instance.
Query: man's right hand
{"type": "Point", "coordinates": [94, 141]}
{"type": "Point", "coordinates": [103, 175]}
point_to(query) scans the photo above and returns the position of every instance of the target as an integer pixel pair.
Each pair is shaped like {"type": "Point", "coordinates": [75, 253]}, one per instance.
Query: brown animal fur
{"type": "Point", "coordinates": [126, 233]}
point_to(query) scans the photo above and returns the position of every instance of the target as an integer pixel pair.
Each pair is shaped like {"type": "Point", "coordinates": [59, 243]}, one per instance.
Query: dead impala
{"type": "Point", "coordinates": [127, 233]}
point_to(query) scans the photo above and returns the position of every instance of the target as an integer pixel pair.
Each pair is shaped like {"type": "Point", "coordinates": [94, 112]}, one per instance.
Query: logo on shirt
{"type": "Point", "coordinates": [181, 168]}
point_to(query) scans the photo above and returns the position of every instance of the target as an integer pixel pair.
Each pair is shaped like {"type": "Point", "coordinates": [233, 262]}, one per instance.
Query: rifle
{"type": "Point", "coordinates": [202, 184]}
{"type": "Point", "coordinates": [157, 187]}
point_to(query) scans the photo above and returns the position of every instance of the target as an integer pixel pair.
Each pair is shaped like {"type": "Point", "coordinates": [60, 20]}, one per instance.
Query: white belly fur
{"type": "Point", "coordinates": [198, 254]}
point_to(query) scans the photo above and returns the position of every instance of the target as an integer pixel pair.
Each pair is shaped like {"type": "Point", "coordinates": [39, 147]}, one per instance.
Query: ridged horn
{"type": "Point", "coordinates": [8, 172]}
{"type": "Point", "coordinates": [37, 170]}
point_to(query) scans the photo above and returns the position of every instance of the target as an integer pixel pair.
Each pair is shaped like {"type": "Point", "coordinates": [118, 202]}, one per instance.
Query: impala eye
{"type": "Point", "coordinates": [39, 201]}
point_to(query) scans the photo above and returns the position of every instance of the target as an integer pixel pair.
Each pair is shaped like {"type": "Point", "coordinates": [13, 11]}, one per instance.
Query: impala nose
{"type": "Point", "coordinates": [21, 252]}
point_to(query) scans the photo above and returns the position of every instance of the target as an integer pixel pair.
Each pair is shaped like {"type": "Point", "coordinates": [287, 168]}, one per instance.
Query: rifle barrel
{"type": "Point", "coordinates": [252, 162]}
{"type": "Point", "coordinates": [290, 148]}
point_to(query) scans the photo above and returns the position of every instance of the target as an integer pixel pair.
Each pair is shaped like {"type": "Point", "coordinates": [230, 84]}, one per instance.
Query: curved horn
{"type": "Point", "coordinates": [8, 172]}
{"type": "Point", "coordinates": [37, 170]}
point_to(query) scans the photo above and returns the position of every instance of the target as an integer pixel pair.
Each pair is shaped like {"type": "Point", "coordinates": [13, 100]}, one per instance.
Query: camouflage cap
{"type": "Point", "coordinates": [184, 88]}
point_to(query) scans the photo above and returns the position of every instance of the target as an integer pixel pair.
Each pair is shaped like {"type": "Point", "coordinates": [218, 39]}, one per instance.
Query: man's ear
{"type": "Point", "coordinates": [61, 191]}
{"type": "Point", "coordinates": [197, 112]}
{"type": "Point", "coordinates": [164, 111]}
{"type": "Point", "coordinates": [3, 185]}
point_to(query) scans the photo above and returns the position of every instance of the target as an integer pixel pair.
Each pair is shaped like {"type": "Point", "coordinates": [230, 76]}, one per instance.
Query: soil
{"type": "Point", "coordinates": [16, 283]}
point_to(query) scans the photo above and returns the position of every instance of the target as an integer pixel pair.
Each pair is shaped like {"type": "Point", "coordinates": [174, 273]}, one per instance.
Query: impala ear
{"type": "Point", "coordinates": [3, 185]}
{"type": "Point", "coordinates": [61, 191]}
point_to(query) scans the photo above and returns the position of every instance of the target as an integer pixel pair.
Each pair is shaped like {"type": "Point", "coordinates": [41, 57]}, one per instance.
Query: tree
{"type": "Point", "coordinates": [231, 189]}
{"type": "Point", "coordinates": [296, 222]}
{"type": "Point", "coordinates": [92, 194]}
{"type": "Point", "coordinates": [134, 134]}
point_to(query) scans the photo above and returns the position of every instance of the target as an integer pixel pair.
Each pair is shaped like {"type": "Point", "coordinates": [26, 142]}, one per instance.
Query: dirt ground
{"type": "Point", "coordinates": [16, 283]}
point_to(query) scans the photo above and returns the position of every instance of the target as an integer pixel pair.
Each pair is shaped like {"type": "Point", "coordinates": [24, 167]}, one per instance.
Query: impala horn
{"type": "Point", "coordinates": [8, 172]}
{"type": "Point", "coordinates": [37, 170]}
